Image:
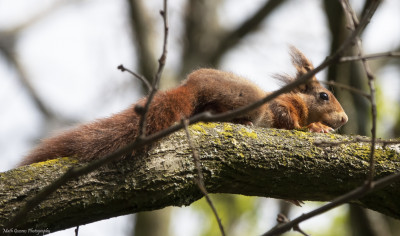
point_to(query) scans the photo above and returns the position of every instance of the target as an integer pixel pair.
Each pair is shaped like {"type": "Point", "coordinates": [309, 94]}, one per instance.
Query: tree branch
{"type": "Point", "coordinates": [272, 163]}
{"type": "Point", "coordinates": [142, 28]}
{"type": "Point", "coordinates": [232, 38]}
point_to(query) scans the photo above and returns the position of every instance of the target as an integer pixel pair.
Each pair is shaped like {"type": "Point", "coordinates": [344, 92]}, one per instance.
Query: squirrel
{"type": "Point", "coordinates": [309, 106]}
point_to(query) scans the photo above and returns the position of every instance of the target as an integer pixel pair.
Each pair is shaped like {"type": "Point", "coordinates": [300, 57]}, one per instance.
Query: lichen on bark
{"type": "Point", "coordinates": [235, 159]}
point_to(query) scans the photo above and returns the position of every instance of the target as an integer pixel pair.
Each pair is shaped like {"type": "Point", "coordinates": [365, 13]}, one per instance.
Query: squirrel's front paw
{"type": "Point", "coordinates": [318, 127]}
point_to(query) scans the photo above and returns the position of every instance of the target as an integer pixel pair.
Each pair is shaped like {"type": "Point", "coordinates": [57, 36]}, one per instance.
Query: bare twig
{"type": "Point", "coordinates": [200, 179]}
{"type": "Point", "coordinates": [142, 33]}
{"type": "Point", "coordinates": [161, 64]}
{"type": "Point", "coordinates": [353, 23]}
{"type": "Point", "coordinates": [361, 26]}
{"type": "Point", "coordinates": [298, 229]}
{"type": "Point", "coordinates": [163, 57]}
{"type": "Point", "coordinates": [355, 194]}
{"type": "Point", "coordinates": [281, 219]}
{"type": "Point", "coordinates": [140, 77]}
{"type": "Point", "coordinates": [370, 56]}
{"type": "Point", "coordinates": [347, 87]}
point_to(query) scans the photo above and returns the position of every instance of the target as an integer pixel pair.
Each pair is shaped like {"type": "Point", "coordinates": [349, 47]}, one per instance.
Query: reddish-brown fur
{"type": "Point", "coordinates": [204, 89]}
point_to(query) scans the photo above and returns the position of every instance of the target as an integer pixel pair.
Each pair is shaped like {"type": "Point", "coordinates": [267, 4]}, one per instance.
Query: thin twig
{"type": "Point", "coordinates": [370, 56]}
{"type": "Point", "coordinates": [353, 23]}
{"type": "Point", "coordinates": [281, 218]}
{"type": "Point", "coordinates": [354, 194]}
{"type": "Point", "coordinates": [143, 37]}
{"type": "Point", "coordinates": [200, 176]}
{"type": "Point", "coordinates": [347, 87]}
{"type": "Point", "coordinates": [77, 230]}
{"type": "Point", "coordinates": [140, 77]}
{"type": "Point", "coordinates": [156, 81]}
{"type": "Point", "coordinates": [298, 229]}
{"type": "Point", "coordinates": [163, 57]}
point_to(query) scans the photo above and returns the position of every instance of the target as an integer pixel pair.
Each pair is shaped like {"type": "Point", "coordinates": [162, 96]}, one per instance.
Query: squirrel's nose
{"type": "Point", "coordinates": [344, 119]}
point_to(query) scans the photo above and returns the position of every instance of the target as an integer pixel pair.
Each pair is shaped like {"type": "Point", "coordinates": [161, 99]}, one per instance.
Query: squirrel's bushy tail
{"type": "Point", "coordinates": [99, 138]}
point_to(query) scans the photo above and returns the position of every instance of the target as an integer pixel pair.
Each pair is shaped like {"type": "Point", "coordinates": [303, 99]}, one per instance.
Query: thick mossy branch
{"type": "Point", "coordinates": [235, 159]}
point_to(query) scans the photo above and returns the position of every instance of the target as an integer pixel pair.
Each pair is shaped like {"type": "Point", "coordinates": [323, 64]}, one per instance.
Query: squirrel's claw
{"type": "Point", "coordinates": [318, 127]}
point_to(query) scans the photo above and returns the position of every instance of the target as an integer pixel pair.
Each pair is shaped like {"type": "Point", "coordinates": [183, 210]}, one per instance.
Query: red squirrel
{"type": "Point", "coordinates": [309, 106]}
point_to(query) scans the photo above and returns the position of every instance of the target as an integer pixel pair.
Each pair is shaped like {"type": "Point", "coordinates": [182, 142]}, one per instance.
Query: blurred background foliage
{"type": "Point", "coordinates": [58, 67]}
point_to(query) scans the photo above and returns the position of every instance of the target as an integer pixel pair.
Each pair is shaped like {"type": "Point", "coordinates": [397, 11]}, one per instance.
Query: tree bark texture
{"type": "Point", "coordinates": [234, 158]}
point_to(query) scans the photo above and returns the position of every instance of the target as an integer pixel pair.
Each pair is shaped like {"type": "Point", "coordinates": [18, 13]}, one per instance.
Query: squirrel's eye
{"type": "Point", "coordinates": [324, 96]}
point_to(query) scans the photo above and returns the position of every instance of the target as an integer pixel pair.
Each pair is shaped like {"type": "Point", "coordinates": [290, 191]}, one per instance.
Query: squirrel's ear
{"type": "Point", "coordinates": [303, 88]}
{"type": "Point", "coordinates": [302, 64]}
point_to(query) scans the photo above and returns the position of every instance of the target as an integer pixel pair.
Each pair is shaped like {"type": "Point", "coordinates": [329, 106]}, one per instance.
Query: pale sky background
{"type": "Point", "coordinates": [72, 54]}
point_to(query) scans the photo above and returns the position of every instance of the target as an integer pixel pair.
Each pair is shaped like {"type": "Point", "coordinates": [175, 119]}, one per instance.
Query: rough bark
{"type": "Point", "coordinates": [235, 159]}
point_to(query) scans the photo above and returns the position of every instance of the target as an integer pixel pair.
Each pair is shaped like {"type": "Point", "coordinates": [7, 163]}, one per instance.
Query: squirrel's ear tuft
{"type": "Point", "coordinates": [302, 64]}
{"type": "Point", "coordinates": [284, 79]}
